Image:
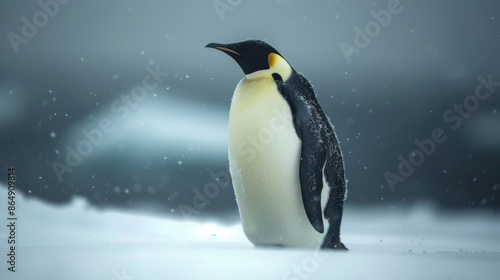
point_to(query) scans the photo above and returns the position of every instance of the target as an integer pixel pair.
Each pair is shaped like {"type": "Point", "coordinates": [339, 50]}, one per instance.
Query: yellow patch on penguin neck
{"type": "Point", "coordinates": [272, 59]}
{"type": "Point", "coordinates": [277, 64]}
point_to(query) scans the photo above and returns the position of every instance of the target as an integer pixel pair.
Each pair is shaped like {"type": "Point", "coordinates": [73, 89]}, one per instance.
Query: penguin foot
{"type": "Point", "coordinates": [334, 246]}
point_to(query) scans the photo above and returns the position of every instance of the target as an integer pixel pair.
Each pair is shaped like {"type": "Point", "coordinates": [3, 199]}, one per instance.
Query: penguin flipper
{"type": "Point", "coordinates": [312, 159]}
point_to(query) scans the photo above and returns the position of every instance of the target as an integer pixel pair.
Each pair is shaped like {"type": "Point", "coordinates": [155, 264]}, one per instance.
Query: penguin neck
{"type": "Point", "coordinates": [280, 66]}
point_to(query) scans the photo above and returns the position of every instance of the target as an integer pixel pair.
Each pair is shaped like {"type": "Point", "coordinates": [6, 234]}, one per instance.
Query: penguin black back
{"type": "Point", "coordinates": [317, 133]}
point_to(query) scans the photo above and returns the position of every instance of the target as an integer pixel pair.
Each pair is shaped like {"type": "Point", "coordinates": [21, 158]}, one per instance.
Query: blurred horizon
{"type": "Point", "coordinates": [81, 69]}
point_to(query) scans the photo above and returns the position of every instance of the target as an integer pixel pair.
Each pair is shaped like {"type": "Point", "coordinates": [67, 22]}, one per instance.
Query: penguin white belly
{"type": "Point", "coordinates": [264, 157]}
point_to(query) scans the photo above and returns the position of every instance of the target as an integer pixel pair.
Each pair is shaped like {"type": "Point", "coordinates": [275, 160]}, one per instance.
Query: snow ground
{"type": "Point", "coordinates": [78, 242]}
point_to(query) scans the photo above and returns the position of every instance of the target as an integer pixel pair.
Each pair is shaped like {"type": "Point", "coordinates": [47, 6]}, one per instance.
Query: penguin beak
{"type": "Point", "coordinates": [240, 54]}
{"type": "Point", "coordinates": [223, 47]}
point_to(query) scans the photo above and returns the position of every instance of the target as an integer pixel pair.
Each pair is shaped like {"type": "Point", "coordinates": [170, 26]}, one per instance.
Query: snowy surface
{"type": "Point", "coordinates": [78, 242]}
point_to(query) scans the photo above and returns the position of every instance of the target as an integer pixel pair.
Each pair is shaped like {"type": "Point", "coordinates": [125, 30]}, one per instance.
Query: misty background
{"type": "Point", "coordinates": [168, 146]}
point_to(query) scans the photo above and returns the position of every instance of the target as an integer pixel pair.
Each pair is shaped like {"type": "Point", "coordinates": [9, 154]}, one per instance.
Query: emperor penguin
{"type": "Point", "coordinates": [285, 161]}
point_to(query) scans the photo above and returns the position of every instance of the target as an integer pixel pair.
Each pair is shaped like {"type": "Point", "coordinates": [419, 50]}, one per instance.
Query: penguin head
{"type": "Point", "coordinates": [256, 58]}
